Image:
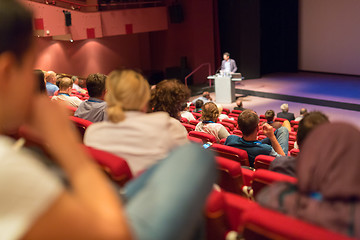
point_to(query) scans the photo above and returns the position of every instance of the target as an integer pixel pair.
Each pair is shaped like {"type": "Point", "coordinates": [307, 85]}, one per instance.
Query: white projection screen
{"type": "Point", "coordinates": [329, 36]}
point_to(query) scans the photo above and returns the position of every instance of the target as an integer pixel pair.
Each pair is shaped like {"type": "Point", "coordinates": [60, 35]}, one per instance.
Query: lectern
{"type": "Point", "coordinates": [225, 86]}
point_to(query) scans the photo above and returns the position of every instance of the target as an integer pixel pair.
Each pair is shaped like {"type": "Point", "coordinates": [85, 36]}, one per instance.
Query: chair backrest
{"type": "Point", "coordinates": [71, 109]}
{"type": "Point", "coordinates": [184, 120]}
{"type": "Point", "coordinates": [224, 213]}
{"type": "Point", "coordinates": [262, 116]}
{"type": "Point", "coordinates": [236, 112]}
{"type": "Point", "coordinates": [232, 153]}
{"type": "Point", "coordinates": [226, 110]}
{"type": "Point", "coordinates": [222, 141]}
{"type": "Point", "coordinates": [230, 175]}
{"type": "Point", "coordinates": [280, 119]}
{"type": "Point", "coordinates": [234, 115]}
{"type": "Point", "coordinates": [81, 124]}
{"type": "Point", "coordinates": [294, 152]}
{"type": "Point", "coordinates": [291, 144]}
{"type": "Point", "coordinates": [238, 132]}
{"type": "Point", "coordinates": [228, 125]}
{"type": "Point", "coordinates": [205, 137]}
{"type": "Point", "coordinates": [194, 122]}
{"type": "Point", "coordinates": [293, 123]}
{"type": "Point", "coordinates": [263, 161]}
{"type": "Point", "coordinates": [189, 127]}
{"type": "Point", "coordinates": [275, 225]}
{"type": "Point", "coordinates": [233, 122]}
{"type": "Point", "coordinates": [116, 168]}
{"type": "Point", "coordinates": [196, 115]}
{"type": "Point", "coordinates": [264, 177]}
{"type": "Point", "coordinates": [195, 140]}
{"type": "Point", "coordinates": [248, 176]}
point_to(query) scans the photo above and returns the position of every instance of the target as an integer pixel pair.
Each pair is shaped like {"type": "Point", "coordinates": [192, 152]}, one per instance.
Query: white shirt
{"type": "Point", "coordinates": [27, 189]}
{"type": "Point", "coordinates": [76, 87]}
{"type": "Point", "coordinates": [141, 139]}
{"type": "Point", "coordinates": [71, 101]}
{"type": "Point", "coordinates": [215, 129]}
{"type": "Point", "coordinates": [188, 115]}
{"type": "Point", "coordinates": [227, 67]}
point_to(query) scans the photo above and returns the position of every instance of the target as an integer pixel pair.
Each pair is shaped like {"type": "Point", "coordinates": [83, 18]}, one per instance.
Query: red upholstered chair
{"type": "Point", "coordinates": [224, 213]}
{"type": "Point", "coordinates": [295, 127]}
{"type": "Point", "coordinates": [275, 225]}
{"type": "Point", "coordinates": [292, 138]}
{"type": "Point", "coordinates": [81, 124]}
{"type": "Point", "coordinates": [293, 123]}
{"type": "Point", "coordinates": [261, 137]}
{"type": "Point", "coordinates": [294, 152]}
{"type": "Point", "coordinates": [280, 120]}
{"type": "Point", "coordinates": [236, 112]}
{"type": "Point", "coordinates": [192, 108]}
{"type": "Point", "coordinates": [234, 115]}
{"type": "Point", "coordinates": [233, 122]}
{"type": "Point", "coordinates": [194, 122]}
{"type": "Point", "coordinates": [238, 132]}
{"type": "Point", "coordinates": [263, 161]}
{"type": "Point", "coordinates": [232, 153]}
{"type": "Point", "coordinates": [264, 177]}
{"type": "Point", "coordinates": [262, 116]}
{"type": "Point", "coordinates": [291, 144]}
{"type": "Point", "coordinates": [228, 125]}
{"type": "Point", "coordinates": [71, 110]}
{"type": "Point", "coordinates": [205, 137]}
{"type": "Point", "coordinates": [226, 110]}
{"type": "Point", "coordinates": [222, 141]}
{"type": "Point", "coordinates": [189, 127]}
{"type": "Point", "coordinates": [195, 140]}
{"type": "Point", "coordinates": [184, 120]}
{"type": "Point", "coordinates": [196, 115]}
{"type": "Point", "coordinates": [248, 176]}
{"type": "Point", "coordinates": [230, 175]}
{"type": "Point", "coordinates": [116, 168]}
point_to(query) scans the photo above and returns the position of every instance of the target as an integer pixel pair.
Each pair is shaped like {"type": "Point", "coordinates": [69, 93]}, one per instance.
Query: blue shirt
{"type": "Point", "coordinates": [51, 89]}
{"type": "Point", "coordinates": [253, 148]}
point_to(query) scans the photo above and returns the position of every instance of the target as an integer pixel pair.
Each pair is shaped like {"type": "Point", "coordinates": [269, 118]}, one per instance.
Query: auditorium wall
{"type": "Point", "coordinates": [329, 36]}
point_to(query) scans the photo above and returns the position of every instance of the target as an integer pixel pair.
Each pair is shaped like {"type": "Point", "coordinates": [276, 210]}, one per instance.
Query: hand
{"type": "Point", "coordinates": [268, 130]}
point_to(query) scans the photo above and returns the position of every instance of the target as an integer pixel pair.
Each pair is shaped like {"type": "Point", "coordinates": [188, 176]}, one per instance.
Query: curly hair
{"type": "Point", "coordinates": [210, 112]}
{"type": "Point", "coordinates": [168, 96]}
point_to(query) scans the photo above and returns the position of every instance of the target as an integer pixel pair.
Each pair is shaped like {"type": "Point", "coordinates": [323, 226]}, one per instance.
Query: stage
{"type": "Point", "coordinates": [337, 96]}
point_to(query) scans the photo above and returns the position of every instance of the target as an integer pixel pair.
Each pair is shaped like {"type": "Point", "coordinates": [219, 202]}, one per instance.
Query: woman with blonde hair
{"type": "Point", "coordinates": [140, 138]}
{"type": "Point", "coordinates": [210, 114]}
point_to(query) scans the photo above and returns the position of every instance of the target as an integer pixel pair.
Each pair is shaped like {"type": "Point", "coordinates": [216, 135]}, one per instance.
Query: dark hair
{"type": "Point", "coordinates": [199, 103]}
{"type": "Point", "coordinates": [248, 121]}
{"type": "Point", "coordinates": [39, 75]}
{"type": "Point", "coordinates": [15, 28]}
{"type": "Point", "coordinates": [210, 112]}
{"type": "Point", "coordinates": [227, 54]}
{"type": "Point", "coordinates": [308, 123]}
{"type": "Point", "coordinates": [95, 84]}
{"type": "Point", "coordinates": [269, 115]}
{"type": "Point", "coordinates": [184, 106]}
{"type": "Point", "coordinates": [168, 96]}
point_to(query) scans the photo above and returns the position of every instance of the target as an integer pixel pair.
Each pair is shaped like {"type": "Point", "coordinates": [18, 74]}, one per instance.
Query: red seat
{"type": "Point", "coordinates": [261, 137]}
{"type": "Point", "coordinates": [238, 132]}
{"type": "Point", "coordinates": [228, 125]}
{"type": "Point", "coordinates": [192, 108]}
{"type": "Point", "coordinates": [189, 127]}
{"type": "Point", "coordinates": [230, 175]}
{"type": "Point", "coordinates": [293, 123]}
{"type": "Point", "coordinates": [275, 225]}
{"type": "Point", "coordinates": [224, 213]}
{"type": "Point", "coordinates": [264, 177]}
{"type": "Point", "coordinates": [222, 141]}
{"type": "Point", "coordinates": [196, 115]}
{"type": "Point", "coordinates": [248, 176]}
{"type": "Point", "coordinates": [233, 122]}
{"type": "Point", "coordinates": [291, 144]}
{"type": "Point", "coordinates": [236, 112]}
{"type": "Point", "coordinates": [262, 116]}
{"type": "Point", "coordinates": [116, 167]}
{"type": "Point", "coordinates": [184, 120]}
{"type": "Point", "coordinates": [195, 140]}
{"type": "Point", "coordinates": [194, 122]}
{"type": "Point", "coordinates": [226, 111]}
{"type": "Point", "coordinates": [233, 115]}
{"type": "Point", "coordinates": [205, 137]}
{"type": "Point", "coordinates": [232, 153]}
{"type": "Point", "coordinates": [294, 152]}
{"type": "Point", "coordinates": [263, 161]}
{"type": "Point", "coordinates": [280, 119]}
{"type": "Point", "coordinates": [81, 124]}
{"type": "Point", "coordinates": [292, 138]}
{"type": "Point", "coordinates": [71, 109]}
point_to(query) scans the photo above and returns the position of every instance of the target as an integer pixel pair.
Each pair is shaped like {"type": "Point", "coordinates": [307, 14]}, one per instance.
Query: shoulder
{"type": "Point", "coordinates": [232, 139]}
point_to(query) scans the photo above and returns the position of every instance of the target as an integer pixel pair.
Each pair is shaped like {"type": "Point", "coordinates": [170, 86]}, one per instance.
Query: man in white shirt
{"type": "Point", "coordinates": [64, 93]}
{"type": "Point", "coordinates": [75, 86]}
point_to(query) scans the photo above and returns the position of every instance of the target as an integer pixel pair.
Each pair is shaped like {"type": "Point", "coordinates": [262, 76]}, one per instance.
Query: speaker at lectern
{"type": "Point", "coordinates": [225, 86]}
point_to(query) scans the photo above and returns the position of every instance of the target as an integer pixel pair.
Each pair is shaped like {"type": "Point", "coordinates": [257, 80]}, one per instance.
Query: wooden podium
{"type": "Point", "coordinates": [225, 87]}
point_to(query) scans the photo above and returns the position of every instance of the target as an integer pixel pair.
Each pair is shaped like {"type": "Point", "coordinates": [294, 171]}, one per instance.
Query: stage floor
{"type": "Point", "coordinates": [336, 96]}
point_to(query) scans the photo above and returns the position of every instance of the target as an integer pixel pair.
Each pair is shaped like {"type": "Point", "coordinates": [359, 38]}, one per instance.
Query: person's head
{"type": "Point", "coordinates": [210, 112]}
{"type": "Point", "coordinates": [127, 90]}
{"type": "Point", "coordinates": [65, 85]}
{"type": "Point", "coordinates": [284, 108]}
{"type": "Point", "coordinates": [51, 77]}
{"type": "Point", "coordinates": [17, 57]}
{"type": "Point", "coordinates": [95, 84]}
{"type": "Point", "coordinates": [239, 102]}
{"type": "Point", "coordinates": [303, 111]}
{"type": "Point", "coordinates": [75, 80]}
{"type": "Point", "coordinates": [40, 76]}
{"type": "Point", "coordinates": [206, 95]}
{"type": "Point", "coordinates": [199, 103]}
{"type": "Point", "coordinates": [269, 115]}
{"type": "Point", "coordinates": [226, 56]}
{"type": "Point", "coordinates": [248, 122]}
{"type": "Point", "coordinates": [168, 96]}
{"type": "Point", "coordinates": [184, 107]}
{"type": "Point", "coordinates": [309, 123]}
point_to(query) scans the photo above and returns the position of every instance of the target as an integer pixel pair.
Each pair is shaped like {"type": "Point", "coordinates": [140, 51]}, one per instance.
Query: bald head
{"type": "Point", "coordinates": [65, 84]}
{"type": "Point", "coordinates": [50, 77]}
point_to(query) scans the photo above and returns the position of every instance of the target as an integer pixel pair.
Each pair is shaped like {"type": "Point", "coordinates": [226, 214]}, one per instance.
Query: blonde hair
{"type": "Point", "coordinates": [210, 112]}
{"type": "Point", "coordinates": [127, 90]}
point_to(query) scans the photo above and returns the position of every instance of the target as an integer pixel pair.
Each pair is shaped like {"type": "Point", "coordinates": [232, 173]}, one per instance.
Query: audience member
{"type": "Point", "coordinates": [327, 193]}
{"type": "Point", "coordinates": [303, 112]}
{"type": "Point", "coordinates": [168, 96]}
{"type": "Point", "coordinates": [239, 105]}
{"type": "Point", "coordinates": [51, 87]}
{"type": "Point", "coordinates": [185, 112]}
{"type": "Point", "coordinates": [75, 80]}
{"type": "Point", "coordinates": [94, 109]}
{"type": "Point", "coordinates": [205, 98]}
{"type": "Point", "coordinates": [221, 115]}
{"type": "Point", "coordinates": [198, 106]}
{"type": "Point", "coordinates": [208, 124]}
{"type": "Point", "coordinates": [142, 139]}
{"type": "Point", "coordinates": [276, 143]}
{"type": "Point", "coordinates": [285, 113]}
{"type": "Point", "coordinates": [64, 93]}
{"type": "Point", "coordinates": [287, 165]}
{"type": "Point", "coordinates": [270, 117]}
{"type": "Point", "coordinates": [39, 75]}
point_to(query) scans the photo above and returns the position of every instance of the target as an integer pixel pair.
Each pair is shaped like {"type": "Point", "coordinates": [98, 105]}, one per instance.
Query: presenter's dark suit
{"type": "Point", "coordinates": [288, 116]}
